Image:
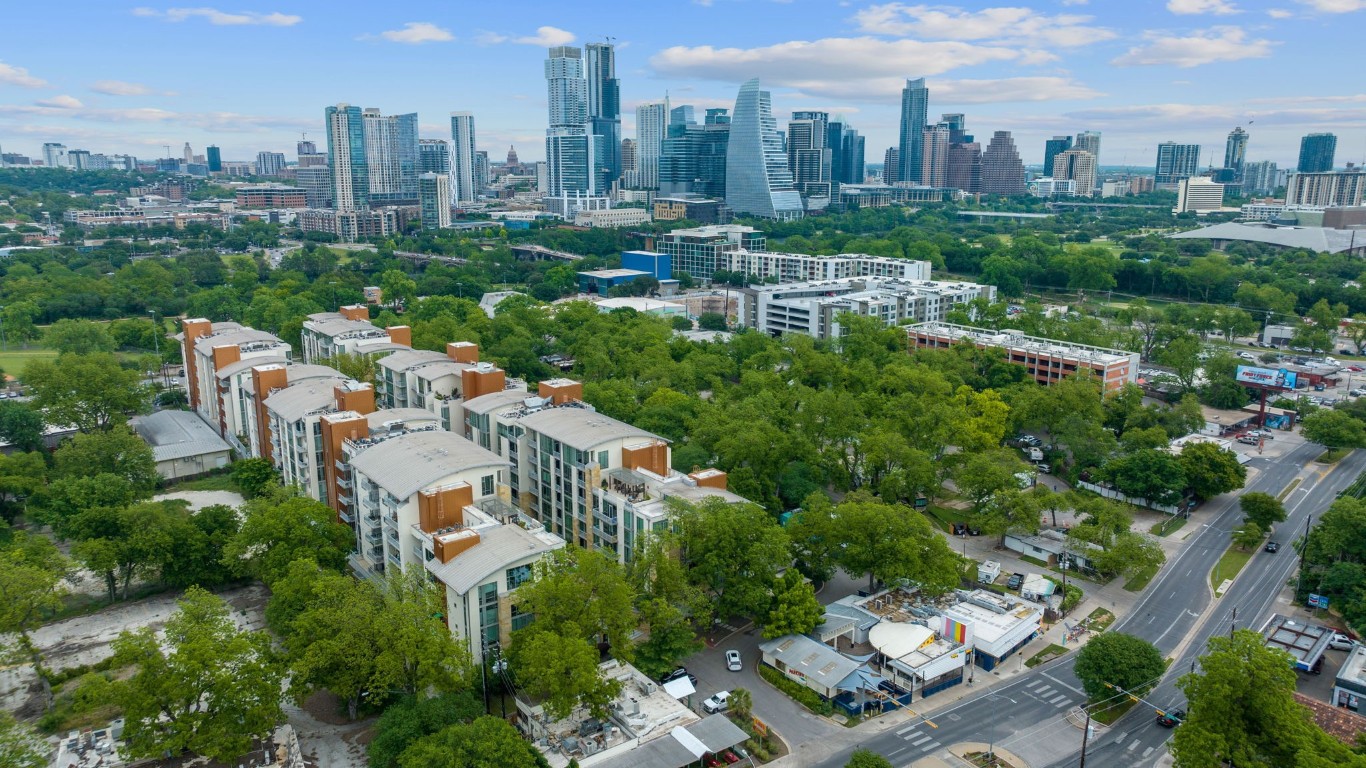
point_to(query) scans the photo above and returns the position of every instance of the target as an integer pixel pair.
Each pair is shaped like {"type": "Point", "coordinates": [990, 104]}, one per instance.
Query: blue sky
{"type": "Point", "coordinates": [109, 77]}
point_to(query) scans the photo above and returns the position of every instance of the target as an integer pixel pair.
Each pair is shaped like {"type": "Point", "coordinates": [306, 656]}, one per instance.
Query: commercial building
{"type": "Point", "coordinates": [809, 156]}
{"type": "Point", "coordinates": [934, 156]}
{"type": "Point", "coordinates": [1051, 149]}
{"type": "Point", "coordinates": [652, 124]}
{"type": "Point", "coordinates": [348, 331]}
{"type": "Point", "coordinates": [915, 109]}
{"type": "Point", "coordinates": [700, 210]}
{"type": "Point", "coordinates": [964, 170]}
{"type": "Point", "coordinates": [1198, 194]}
{"type": "Point", "coordinates": [998, 625]}
{"type": "Point", "coordinates": [612, 217]}
{"type": "Point", "coordinates": [758, 181]}
{"type": "Point", "coordinates": [798, 267]}
{"type": "Point", "coordinates": [182, 444]}
{"type": "Point", "coordinates": [657, 265]}
{"type": "Point", "coordinates": [1079, 167]}
{"type": "Point", "coordinates": [1046, 360]}
{"type": "Point", "coordinates": [846, 153]}
{"type": "Point", "coordinates": [1349, 687]}
{"type": "Point", "coordinates": [814, 308]}
{"type": "Point", "coordinates": [693, 160]}
{"type": "Point", "coordinates": [1317, 151]}
{"type": "Point", "coordinates": [215, 158]}
{"type": "Point", "coordinates": [269, 163]}
{"type": "Point", "coordinates": [600, 281]}
{"type": "Point", "coordinates": [604, 109]}
{"type": "Point", "coordinates": [1331, 188]}
{"type": "Point", "coordinates": [1002, 171]}
{"type": "Point", "coordinates": [700, 251]}
{"type": "Point", "coordinates": [1049, 187]}
{"type": "Point", "coordinates": [852, 196]}
{"type": "Point", "coordinates": [316, 183]}
{"type": "Point", "coordinates": [346, 147]}
{"type": "Point", "coordinates": [1304, 642]}
{"type": "Point", "coordinates": [271, 197]}
{"type": "Point", "coordinates": [434, 200]}
{"type": "Point", "coordinates": [1175, 162]}
{"type": "Point", "coordinates": [891, 166]}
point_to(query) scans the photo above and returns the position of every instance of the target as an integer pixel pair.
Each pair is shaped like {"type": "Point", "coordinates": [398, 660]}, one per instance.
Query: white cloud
{"type": "Point", "coordinates": [1200, 47]}
{"type": "Point", "coordinates": [119, 88]}
{"type": "Point", "coordinates": [1023, 25]}
{"type": "Point", "coordinates": [1279, 13]}
{"type": "Point", "coordinates": [1011, 89]}
{"type": "Point", "coordinates": [61, 102]}
{"type": "Point", "coordinates": [1335, 6]}
{"type": "Point", "coordinates": [416, 33]}
{"type": "Point", "coordinates": [1075, 2]}
{"type": "Point", "coordinates": [221, 18]}
{"type": "Point", "coordinates": [1190, 7]}
{"type": "Point", "coordinates": [12, 75]}
{"type": "Point", "coordinates": [545, 37]}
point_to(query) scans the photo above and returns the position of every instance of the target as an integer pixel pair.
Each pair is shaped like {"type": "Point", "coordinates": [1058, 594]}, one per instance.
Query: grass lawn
{"type": "Point", "coordinates": [221, 482]}
{"type": "Point", "coordinates": [1140, 580]}
{"type": "Point", "coordinates": [1228, 566]}
{"type": "Point", "coordinates": [1100, 620]}
{"type": "Point", "coordinates": [943, 516]}
{"type": "Point", "coordinates": [1289, 489]}
{"type": "Point", "coordinates": [1049, 653]}
{"type": "Point", "coordinates": [1168, 527]}
{"type": "Point", "coordinates": [1034, 561]}
{"type": "Point", "coordinates": [1110, 714]}
{"type": "Point", "coordinates": [1333, 455]}
{"type": "Point", "coordinates": [14, 360]}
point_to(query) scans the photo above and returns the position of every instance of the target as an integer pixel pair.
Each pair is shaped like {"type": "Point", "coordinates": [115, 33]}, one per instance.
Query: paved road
{"type": "Point", "coordinates": [1026, 715]}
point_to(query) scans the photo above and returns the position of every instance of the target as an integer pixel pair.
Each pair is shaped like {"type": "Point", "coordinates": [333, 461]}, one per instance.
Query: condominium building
{"type": "Point", "coordinates": [915, 109]}
{"type": "Point", "coordinates": [316, 184]}
{"type": "Point", "coordinates": [269, 163]}
{"type": "Point", "coordinates": [352, 225]}
{"type": "Point", "coordinates": [1174, 163]}
{"type": "Point", "coordinates": [1317, 151]}
{"type": "Point", "coordinates": [571, 148]}
{"type": "Point", "coordinates": [261, 381]}
{"type": "Point", "coordinates": [217, 357]}
{"type": "Point", "coordinates": [700, 251]}
{"type": "Point", "coordinates": [434, 156]}
{"type": "Point", "coordinates": [1089, 141]}
{"type": "Point", "coordinates": [463, 187]}
{"type": "Point", "coordinates": [346, 147]}
{"type": "Point", "coordinates": [1047, 360]}
{"type": "Point", "coordinates": [1199, 194]}
{"type": "Point", "coordinates": [1078, 166]}
{"type": "Point", "coordinates": [934, 156]}
{"type": "Point", "coordinates": [1049, 187]}
{"type": "Point", "coordinates": [391, 156]}
{"type": "Point", "coordinates": [436, 383]}
{"type": "Point", "coordinates": [1333, 188]}
{"type": "Point", "coordinates": [652, 119]}
{"type": "Point", "coordinates": [349, 331]}
{"type": "Point", "coordinates": [294, 432]}
{"type": "Point", "coordinates": [434, 200]}
{"type": "Point", "coordinates": [796, 267]}
{"type": "Point", "coordinates": [810, 157]}
{"type": "Point", "coordinates": [1259, 178]}
{"type": "Point", "coordinates": [814, 308]}
{"type": "Point", "coordinates": [271, 197]}
{"type": "Point", "coordinates": [604, 110]}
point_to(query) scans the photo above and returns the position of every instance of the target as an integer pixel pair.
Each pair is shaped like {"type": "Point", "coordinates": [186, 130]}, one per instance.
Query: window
{"type": "Point", "coordinates": [517, 576]}
{"type": "Point", "coordinates": [488, 612]}
{"type": "Point", "coordinates": [521, 617]}
{"type": "Point", "coordinates": [486, 485]}
{"type": "Point", "coordinates": [602, 459]}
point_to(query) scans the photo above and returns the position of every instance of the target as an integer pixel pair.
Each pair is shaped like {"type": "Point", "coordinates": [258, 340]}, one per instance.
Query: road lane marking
{"type": "Point", "coordinates": [1134, 745]}
{"type": "Point", "coordinates": [908, 728]}
{"type": "Point", "coordinates": [1120, 738]}
{"type": "Point", "coordinates": [1044, 691]}
{"type": "Point", "coordinates": [1055, 701]}
{"type": "Point", "coordinates": [1148, 751]}
{"type": "Point", "coordinates": [894, 752]}
{"type": "Point", "coordinates": [1077, 691]}
{"type": "Point", "coordinates": [920, 741]}
{"type": "Point", "coordinates": [930, 746]}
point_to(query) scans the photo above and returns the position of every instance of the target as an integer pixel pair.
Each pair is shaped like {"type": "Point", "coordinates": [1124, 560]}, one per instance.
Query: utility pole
{"type": "Point", "coordinates": [1233, 624]}
{"type": "Point", "coordinates": [1304, 549]}
{"type": "Point", "coordinates": [1085, 737]}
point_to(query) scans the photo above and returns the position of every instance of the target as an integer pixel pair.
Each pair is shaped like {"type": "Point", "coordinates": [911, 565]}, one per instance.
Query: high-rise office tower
{"type": "Point", "coordinates": [694, 159]}
{"type": "Point", "coordinates": [1051, 149]}
{"type": "Point", "coordinates": [54, 155]}
{"type": "Point", "coordinates": [434, 156]}
{"type": "Point", "coordinates": [628, 155]}
{"type": "Point", "coordinates": [891, 166]}
{"type": "Point", "coordinates": [482, 170]}
{"type": "Point", "coordinates": [346, 147]}
{"type": "Point", "coordinates": [1089, 141]}
{"type": "Point", "coordinates": [1235, 152]}
{"type": "Point", "coordinates": [391, 154]}
{"type": "Point", "coordinates": [1317, 151]}
{"type": "Point", "coordinates": [1174, 163]}
{"type": "Point", "coordinates": [1078, 166]}
{"type": "Point", "coordinates": [757, 179]}
{"type": "Point", "coordinates": [187, 154]}
{"type": "Point", "coordinates": [434, 200]}
{"type": "Point", "coordinates": [957, 125]}
{"type": "Point", "coordinates": [915, 108]}
{"type": "Point", "coordinates": [682, 115]}
{"type": "Point", "coordinates": [215, 158]}
{"type": "Point", "coordinates": [571, 148]}
{"type": "Point", "coordinates": [652, 121]}
{"type": "Point", "coordinates": [1259, 178]}
{"type": "Point", "coordinates": [1002, 171]}
{"type": "Point", "coordinates": [316, 182]}
{"type": "Point", "coordinates": [808, 156]}
{"type": "Point", "coordinates": [846, 153]}
{"type": "Point", "coordinates": [934, 156]}
{"type": "Point", "coordinates": [306, 147]}
{"type": "Point", "coordinates": [964, 169]}
{"type": "Point", "coordinates": [463, 188]}
{"type": "Point", "coordinates": [269, 163]}
{"type": "Point", "coordinates": [604, 110]}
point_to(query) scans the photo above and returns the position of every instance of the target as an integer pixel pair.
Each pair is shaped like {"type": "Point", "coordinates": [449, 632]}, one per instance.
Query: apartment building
{"type": "Point", "coordinates": [813, 308]}
{"type": "Point", "coordinates": [699, 251]}
{"type": "Point", "coordinates": [261, 381]}
{"type": "Point", "coordinates": [218, 358]}
{"type": "Point", "coordinates": [1047, 360]}
{"type": "Point", "coordinates": [349, 331]}
{"type": "Point", "coordinates": [294, 420]}
{"type": "Point", "coordinates": [797, 267]}
{"type": "Point", "coordinates": [432, 381]}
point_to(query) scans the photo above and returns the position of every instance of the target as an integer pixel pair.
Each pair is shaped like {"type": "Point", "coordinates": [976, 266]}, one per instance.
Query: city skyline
{"type": "Point", "coordinates": [1187, 71]}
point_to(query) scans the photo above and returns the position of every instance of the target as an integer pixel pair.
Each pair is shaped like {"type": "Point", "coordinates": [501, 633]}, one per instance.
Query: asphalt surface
{"type": "Point", "coordinates": [1027, 715]}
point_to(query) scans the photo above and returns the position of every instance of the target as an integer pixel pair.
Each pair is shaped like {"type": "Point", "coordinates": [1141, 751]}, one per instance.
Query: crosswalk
{"type": "Point", "coordinates": [918, 738]}
{"type": "Point", "coordinates": [1040, 691]}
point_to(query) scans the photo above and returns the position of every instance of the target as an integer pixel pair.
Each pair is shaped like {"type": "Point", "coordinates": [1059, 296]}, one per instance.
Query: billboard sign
{"type": "Point", "coordinates": [1275, 378]}
{"type": "Point", "coordinates": [1318, 601]}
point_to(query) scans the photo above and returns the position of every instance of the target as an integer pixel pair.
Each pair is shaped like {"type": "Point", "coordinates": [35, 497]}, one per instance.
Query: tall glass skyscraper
{"type": "Point", "coordinates": [1051, 149]}
{"type": "Point", "coordinates": [1317, 151]}
{"type": "Point", "coordinates": [757, 179]}
{"type": "Point", "coordinates": [214, 158]}
{"type": "Point", "coordinates": [1089, 141]}
{"type": "Point", "coordinates": [651, 126]}
{"type": "Point", "coordinates": [570, 145]}
{"type": "Point", "coordinates": [463, 186]}
{"type": "Point", "coordinates": [1235, 152]}
{"type": "Point", "coordinates": [391, 154]}
{"type": "Point", "coordinates": [915, 109]}
{"type": "Point", "coordinates": [694, 158]}
{"type": "Point", "coordinates": [1175, 162]}
{"type": "Point", "coordinates": [346, 145]}
{"type": "Point", "coordinates": [604, 109]}
{"type": "Point", "coordinates": [809, 156]}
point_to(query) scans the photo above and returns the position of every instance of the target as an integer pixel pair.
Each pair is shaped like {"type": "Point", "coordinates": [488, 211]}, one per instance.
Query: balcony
{"type": "Point", "coordinates": [344, 482]}
{"type": "Point", "coordinates": [346, 517]}
{"type": "Point", "coordinates": [373, 535]}
{"type": "Point", "coordinates": [372, 518]}
{"type": "Point", "coordinates": [377, 552]}
{"type": "Point", "coordinates": [604, 535]}
{"type": "Point", "coordinates": [394, 558]}
{"type": "Point", "coordinates": [392, 536]}
{"type": "Point", "coordinates": [345, 500]}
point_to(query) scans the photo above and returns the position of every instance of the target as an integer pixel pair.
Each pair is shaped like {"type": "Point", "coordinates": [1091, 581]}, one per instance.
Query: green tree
{"type": "Point", "coordinates": [79, 337]}
{"type": "Point", "coordinates": [795, 609]}
{"type": "Point", "coordinates": [409, 719]}
{"type": "Point", "coordinates": [1182, 355]}
{"type": "Point", "coordinates": [32, 576]}
{"type": "Point", "coordinates": [1151, 474]}
{"type": "Point", "coordinates": [732, 552]}
{"type": "Point", "coordinates": [1210, 470]}
{"type": "Point", "coordinates": [585, 590]}
{"type": "Point", "coordinates": [867, 758]}
{"type": "Point", "coordinates": [21, 426]}
{"type": "Point", "coordinates": [1249, 536]}
{"type": "Point", "coordinates": [20, 746]}
{"type": "Point", "coordinates": [561, 670]}
{"type": "Point", "coordinates": [712, 321]}
{"type": "Point", "coordinates": [89, 391]}
{"type": "Point", "coordinates": [17, 319]}
{"type": "Point", "coordinates": [210, 688]}
{"type": "Point", "coordinates": [890, 542]}
{"type": "Point", "coordinates": [254, 477]}
{"type": "Point", "coordinates": [668, 604]}
{"type": "Point", "coordinates": [980, 476]}
{"type": "Point", "coordinates": [119, 452]}
{"type": "Point", "coordinates": [741, 703]}
{"type": "Point", "coordinates": [1262, 508]}
{"type": "Point", "coordinates": [1116, 660]}
{"type": "Point", "coordinates": [1333, 429]}
{"type": "Point", "coordinates": [1242, 712]}
{"type": "Point", "coordinates": [278, 529]}
{"type": "Point", "coordinates": [358, 367]}
{"type": "Point", "coordinates": [488, 742]}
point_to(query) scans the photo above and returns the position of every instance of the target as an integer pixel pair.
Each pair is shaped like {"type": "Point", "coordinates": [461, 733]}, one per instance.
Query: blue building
{"type": "Point", "coordinates": [600, 281]}
{"type": "Point", "coordinates": [658, 265]}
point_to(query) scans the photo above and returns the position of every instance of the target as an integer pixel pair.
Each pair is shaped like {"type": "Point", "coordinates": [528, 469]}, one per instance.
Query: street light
{"type": "Point", "coordinates": [991, 749]}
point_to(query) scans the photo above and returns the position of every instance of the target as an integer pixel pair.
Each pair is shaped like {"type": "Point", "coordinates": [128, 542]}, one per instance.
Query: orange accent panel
{"type": "Point", "coordinates": [400, 334]}
{"type": "Point", "coordinates": [474, 383]}
{"type": "Point", "coordinates": [355, 312]}
{"type": "Point", "coordinates": [449, 545]}
{"type": "Point", "coordinates": [654, 457]}
{"type": "Point", "coordinates": [265, 378]}
{"type": "Point", "coordinates": [361, 400]}
{"type": "Point", "coordinates": [337, 429]}
{"type": "Point", "coordinates": [443, 507]}
{"type": "Point", "coordinates": [560, 391]}
{"type": "Point", "coordinates": [193, 330]}
{"type": "Point", "coordinates": [463, 352]}
{"type": "Point", "coordinates": [710, 478]}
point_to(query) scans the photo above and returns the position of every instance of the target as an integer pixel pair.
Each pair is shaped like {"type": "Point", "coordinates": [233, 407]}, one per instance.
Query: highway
{"type": "Point", "coordinates": [1027, 714]}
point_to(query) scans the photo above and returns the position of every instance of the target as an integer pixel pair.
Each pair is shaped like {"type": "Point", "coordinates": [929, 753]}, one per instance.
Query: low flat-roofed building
{"type": "Point", "coordinates": [1349, 687]}
{"type": "Point", "coordinates": [1052, 547]}
{"type": "Point", "coordinates": [182, 444]}
{"type": "Point", "coordinates": [810, 663]}
{"type": "Point", "coordinates": [643, 305]}
{"type": "Point", "coordinates": [612, 217]}
{"type": "Point", "coordinates": [814, 308]}
{"type": "Point", "coordinates": [600, 281]}
{"type": "Point", "coordinates": [1047, 360]}
{"type": "Point", "coordinates": [1000, 624]}
{"type": "Point", "coordinates": [1304, 642]}
{"type": "Point", "coordinates": [1179, 444]}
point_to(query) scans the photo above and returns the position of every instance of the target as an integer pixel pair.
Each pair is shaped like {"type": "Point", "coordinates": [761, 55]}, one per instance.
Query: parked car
{"type": "Point", "coordinates": [959, 529]}
{"type": "Point", "coordinates": [1015, 581]}
{"type": "Point", "coordinates": [733, 661]}
{"type": "Point", "coordinates": [1247, 440]}
{"type": "Point", "coordinates": [1171, 718]}
{"type": "Point", "coordinates": [1247, 356]}
{"type": "Point", "coordinates": [973, 531]}
{"type": "Point", "coordinates": [719, 702]}
{"type": "Point", "coordinates": [680, 672]}
{"type": "Point", "coordinates": [1272, 546]}
{"type": "Point", "coordinates": [1044, 467]}
{"type": "Point", "coordinates": [730, 757]}
{"type": "Point", "coordinates": [1340, 642]}
{"type": "Point", "coordinates": [1357, 392]}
